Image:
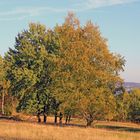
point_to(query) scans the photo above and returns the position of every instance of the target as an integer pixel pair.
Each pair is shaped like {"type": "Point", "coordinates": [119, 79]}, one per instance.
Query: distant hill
{"type": "Point", "coordinates": [131, 85]}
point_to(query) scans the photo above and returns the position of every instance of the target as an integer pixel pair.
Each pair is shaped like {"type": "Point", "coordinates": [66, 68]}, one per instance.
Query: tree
{"type": "Point", "coordinates": [122, 106]}
{"type": "Point", "coordinates": [134, 108]}
{"type": "Point", "coordinates": [67, 68]}
{"type": "Point", "coordinates": [4, 84]}
{"type": "Point", "coordinates": [1, 83]}
{"type": "Point", "coordinates": [30, 67]}
{"type": "Point", "coordinates": [86, 69]}
{"type": "Point", "coordinates": [69, 107]}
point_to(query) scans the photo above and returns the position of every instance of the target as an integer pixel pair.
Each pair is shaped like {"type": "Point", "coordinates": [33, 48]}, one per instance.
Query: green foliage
{"type": "Point", "coordinates": [68, 68]}
{"type": "Point", "coordinates": [128, 106]}
{"type": "Point", "coordinates": [122, 106]}
{"type": "Point", "coordinates": [134, 108]}
{"type": "Point", "coordinates": [30, 68]}
{"type": "Point", "coordinates": [4, 88]}
{"type": "Point", "coordinates": [8, 107]}
{"type": "Point", "coordinates": [2, 72]}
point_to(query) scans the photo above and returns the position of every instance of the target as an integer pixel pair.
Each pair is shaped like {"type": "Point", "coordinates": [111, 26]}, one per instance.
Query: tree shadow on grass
{"type": "Point", "coordinates": [17, 119]}
{"type": "Point", "coordinates": [109, 127]}
{"type": "Point", "coordinates": [14, 118]}
{"type": "Point", "coordinates": [64, 125]}
{"type": "Point", "coordinates": [12, 138]}
{"type": "Point", "coordinates": [119, 128]}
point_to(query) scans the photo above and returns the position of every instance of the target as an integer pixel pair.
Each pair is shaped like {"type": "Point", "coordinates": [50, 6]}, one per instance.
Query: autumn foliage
{"type": "Point", "coordinates": [66, 71]}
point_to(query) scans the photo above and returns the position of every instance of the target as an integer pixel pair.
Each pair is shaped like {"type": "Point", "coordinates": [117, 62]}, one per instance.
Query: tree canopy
{"type": "Point", "coordinates": [68, 69]}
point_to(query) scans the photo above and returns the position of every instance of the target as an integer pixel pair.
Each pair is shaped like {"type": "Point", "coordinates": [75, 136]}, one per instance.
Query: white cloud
{"type": "Point", "coordinates": [24, 12]}
{"type": "Point", "coordinates": [92, 4]}
{"type": "Point", "coordinates": [30, 11]}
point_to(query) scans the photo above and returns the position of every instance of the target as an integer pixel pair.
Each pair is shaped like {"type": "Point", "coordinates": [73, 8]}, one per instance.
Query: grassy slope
{"type": "Point", "coordinates": [11, 130]}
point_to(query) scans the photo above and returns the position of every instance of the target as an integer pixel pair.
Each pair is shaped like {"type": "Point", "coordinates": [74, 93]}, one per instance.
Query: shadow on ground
{"type": "Point", "coordinates": [12, 138]}
{"type": "Point", "coordinates": [14, 118]}
{"type": "Point", "coordinates": [109, 127]}
{"type": "Point", "coordinates": [119, 128]}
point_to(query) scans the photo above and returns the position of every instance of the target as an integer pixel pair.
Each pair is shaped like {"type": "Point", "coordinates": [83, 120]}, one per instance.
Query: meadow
{"type": "Point", "coordinates": [65, 71]}
{"type": "Point", "coordinates": [16, 130]}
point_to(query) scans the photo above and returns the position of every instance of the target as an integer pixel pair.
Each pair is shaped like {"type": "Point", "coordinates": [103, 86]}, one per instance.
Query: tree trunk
{"type": "Point", "coordinates": [38, 117]}
{"type": "Point", "coordinates": [45, 113]}
{"type": "Point", "coordinates": [38, 111]}
{"type": "Point", "coordinates": [55, 118]}
{"type": "Point", "coordinates": [66, 119]}
{"type": "Point", "coordinates": [89, 120]}
{"type": "Point", "coordinates": [69, 119]}
{"type": "Point", "coordinates": [45, 117]}
{"type": "Point", "coordinates": [60, 118]}
{"type": "Point", "coordinates": [2, 104]}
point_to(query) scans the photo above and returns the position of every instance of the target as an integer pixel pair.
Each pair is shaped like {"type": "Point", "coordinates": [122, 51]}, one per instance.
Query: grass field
{"type": "Point", "coordinates": [12, 130]}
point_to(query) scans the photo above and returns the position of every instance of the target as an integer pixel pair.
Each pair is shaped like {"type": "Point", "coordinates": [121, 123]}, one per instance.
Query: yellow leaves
{"type": "Point", "coordinates": [37, 29]}
{"type": "Point", "coordinates": [2, 71]}
{"type": "Point", "coordinates": [5, 84]}
{"type": "Point", "coordinates": [136, 92]}
{"type": "Point", "coordinates": [85, 60]}
{"type": "Point", "coordinates": [71, 20]}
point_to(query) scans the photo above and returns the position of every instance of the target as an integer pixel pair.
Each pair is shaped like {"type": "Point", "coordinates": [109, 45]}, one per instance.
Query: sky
{"type": "Point", "coordinates": [119, 22]}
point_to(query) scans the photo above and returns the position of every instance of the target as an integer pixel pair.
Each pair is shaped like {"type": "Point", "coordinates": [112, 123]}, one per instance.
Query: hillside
{"type": "Point", "coordinates": [131, 85]}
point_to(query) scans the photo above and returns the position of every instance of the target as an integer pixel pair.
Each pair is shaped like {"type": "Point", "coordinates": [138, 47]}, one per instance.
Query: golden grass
{"type": "Point", "coordinates": [10, 130]}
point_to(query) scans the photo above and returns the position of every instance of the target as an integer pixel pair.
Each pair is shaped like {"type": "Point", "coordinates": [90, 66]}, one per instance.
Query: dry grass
{"type": "Point", "coordinates": [10, 130]}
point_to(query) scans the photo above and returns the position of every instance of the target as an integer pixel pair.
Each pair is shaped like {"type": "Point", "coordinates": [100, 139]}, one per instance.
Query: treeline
{"type": "Point", "coordinates": [65, 71]}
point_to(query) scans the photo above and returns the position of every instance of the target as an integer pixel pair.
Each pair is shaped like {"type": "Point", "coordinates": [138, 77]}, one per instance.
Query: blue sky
{"type": "Point", "coordinates": [119, 22]}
